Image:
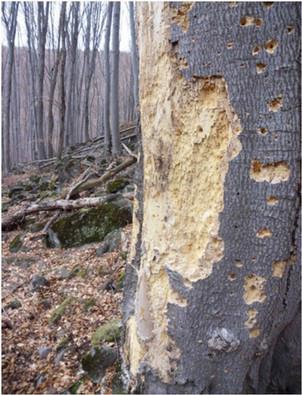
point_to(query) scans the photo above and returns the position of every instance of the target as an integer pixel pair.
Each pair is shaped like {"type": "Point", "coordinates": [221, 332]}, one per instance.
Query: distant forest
{"type": "Point", "coordinates": [55, 89]}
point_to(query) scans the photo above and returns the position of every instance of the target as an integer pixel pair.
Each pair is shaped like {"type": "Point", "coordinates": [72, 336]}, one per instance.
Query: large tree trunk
{"type": "Point", "coordinates": [212, 297]}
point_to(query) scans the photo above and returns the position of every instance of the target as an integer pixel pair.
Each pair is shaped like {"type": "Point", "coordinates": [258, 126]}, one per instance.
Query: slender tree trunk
{"type": "Point", "coordinates": [212, 288]}
{"type": "Point", "coordinates": [134, 55]}
{"type": "Point", "coordinates": [32, 55]}
{"type": "Point", "coordinates": [62, 84]}
{"type": "Point", "coordinates": [70, 132]}
{"type": "Point", "coordinates": [107, 132]}
{"type": "Point", "coordinates": [114, 91]}
{"type": "Point", "coordinates": [10, 21]}
{"type": "Point", "coordinates": [43, 11]}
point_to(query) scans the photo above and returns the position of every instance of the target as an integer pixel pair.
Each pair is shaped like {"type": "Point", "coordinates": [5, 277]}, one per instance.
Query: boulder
{"type": "Point", "coordinates": [60, 310]}
{"type": "Point", "coordinates": [39, 282]}
{"type": "Point", "coordinates": [22, 261]}
{"type": "Point", "coordinates": [14, 304]}
{"type": "Point", "coordinates": [109, 332]}
{"type": "Point", "coordinates": [88, 225]}
{"type": "Point", "coordinates": [16, 244]}
{"type": "Point", "coordinates": [116, 185]}
{"type": "Point", "coordinates": [97, 360]}
{"type": "Point", "coordinates": [43, 352]}
{"type": "Point", "coordinates": [111, 243]}
{"type": "Point", "coordinates": [62, 273]}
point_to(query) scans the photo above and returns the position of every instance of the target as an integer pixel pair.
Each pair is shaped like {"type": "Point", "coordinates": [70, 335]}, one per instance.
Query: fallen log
{"type": "Point", "coordinates": [92, 183]}
{"type": "Point", "coordinates": [11, 222]}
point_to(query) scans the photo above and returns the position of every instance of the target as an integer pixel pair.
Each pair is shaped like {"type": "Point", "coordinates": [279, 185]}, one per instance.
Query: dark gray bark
{"type": "Point", "coordinates": [114, 86]}
{"type": "Point", "coordinates": [107, 133]}
{"type": "Point", "coordinates": [9, 18]}
{"type": "Point", "coordinates": [216, 353]}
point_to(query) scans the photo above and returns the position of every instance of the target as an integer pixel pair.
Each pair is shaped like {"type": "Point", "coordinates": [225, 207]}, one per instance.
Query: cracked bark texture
{"type": "Point", "coordinates": [212, 296]}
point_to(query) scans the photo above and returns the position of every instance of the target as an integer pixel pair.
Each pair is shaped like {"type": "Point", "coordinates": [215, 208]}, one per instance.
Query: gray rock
{"type": "Point", "coordinates": [16, 244]}
{"type": "Point", "coordinates": [129, 188]}
{"type": "Point", "coordinates": [111, 243]}
{"type": "Point", "coordinates": [63, 273]}
{"type": "Point", "coordinates": [24, 262]}
{"type": "Point", "coordinates": [43, 352]}
{"type": "Point", "coordinates": [88, 225]}
{"type": "Point", "coordinates": [15, 190]}
{"type": "Point", "coordinates": [59, 356]}
{"type": "Point", "coordinates": [124, 203]}
{"type": "Point", "coordinates": [38, 282]}
{"type": "Point", "coordinates": [97, 360]}
{"type": "Point", "coordinates": [14, 304]}
{"type": "Point", "coordinates": [39, 379]}
{"type": "Point", "coordinates": [46, 304]}
{"type": "Point", "coordinates": [53, 239]}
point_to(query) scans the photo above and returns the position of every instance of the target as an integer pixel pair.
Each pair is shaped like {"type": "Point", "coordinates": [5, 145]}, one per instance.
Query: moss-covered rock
{"type": "Point", "coordinates": [117, 384]}
{"type": "Point", "coordinates": [24, 261]}
{"type": "Point", "coordinates": [109, 332]}
{"type": "Point", "coordinates": [88, 303]}
{"type": "Point", "coordinates": [57, 314]}
{"type": "Point", "coordinates": [79, 271]}
{"type": "Point", "coordinates": [16, 244]}
{"type": "Point", "coordinates": [16, 191]}
{"type": "Point", "coordinates": [73, 389]}
{"type": "Point", "coordinates": [88, 226]}
{"type": "Point", "coordinates": [116, 185]}
{"type": "Point", "coordinates": [63, 342]}
{"type": "Point", "coordinates": [35, 226]}
{"type": "Point", "coordinates": [97, 361]}
{"type": "Point", "coordinates": [14, 304]}
{"type": "Point", "coordinates": [120, 281]}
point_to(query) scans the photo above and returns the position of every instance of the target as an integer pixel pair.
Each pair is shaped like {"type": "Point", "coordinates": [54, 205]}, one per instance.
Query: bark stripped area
{"type": "Point", "coordinates": [180, 232]}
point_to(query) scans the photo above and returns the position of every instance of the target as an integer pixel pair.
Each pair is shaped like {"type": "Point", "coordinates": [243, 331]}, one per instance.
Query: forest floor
{"type": "Point", "coordinates": [32, 360]}
{"type": "Point", "coordinates": [77, 285]}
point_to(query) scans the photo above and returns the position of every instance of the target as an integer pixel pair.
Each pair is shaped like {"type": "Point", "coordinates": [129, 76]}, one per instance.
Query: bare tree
{"type": "Point", "coordinates": [134, 54]}
{"type": "Point", "coordinates": [43, 12]}
{"type": "Point", "coordinates": [31, 27]}
{"type": "Point", "coordinates": [9, 17]}
{"type": "Point", "coordinates": [107, 133]}
{"type": "Point", "coordinates": [114, 91]}
{"type": "Point", "coordinates": [36, 88]}
{"type": "Point", "coordinates": [56, 54]}
{"type": "Point", "coordinates": [62, 80]}
{"type": "Point", "coordinates": [92, 39]}
{"type": "Point", "coordinates": [70, 111]}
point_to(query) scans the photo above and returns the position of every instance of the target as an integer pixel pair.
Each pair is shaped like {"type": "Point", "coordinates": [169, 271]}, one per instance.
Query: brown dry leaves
{"type": "Point", "coordinates": [23, 371]}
